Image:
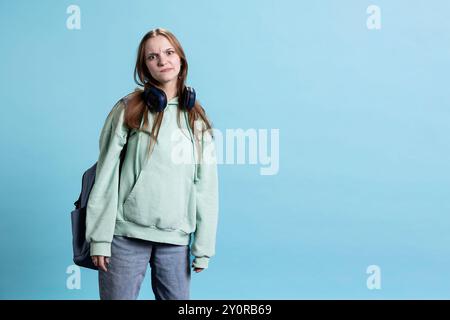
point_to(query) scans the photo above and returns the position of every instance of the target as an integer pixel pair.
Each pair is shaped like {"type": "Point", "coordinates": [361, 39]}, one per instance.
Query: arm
{"type": "Point", "coordinates": [207, 200]}
{"type": "Point", "coordinates": [102, 205]}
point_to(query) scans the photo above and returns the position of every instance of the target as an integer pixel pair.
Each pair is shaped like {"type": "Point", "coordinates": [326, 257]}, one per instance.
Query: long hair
{"type": "Point", "coordinates": [136, 107]}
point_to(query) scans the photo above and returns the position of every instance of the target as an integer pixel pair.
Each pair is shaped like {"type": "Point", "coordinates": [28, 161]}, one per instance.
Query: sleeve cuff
{"type": "Point", "coordinates": [101, 249]}
{"type": "Point", "coordinates": [200, 262]}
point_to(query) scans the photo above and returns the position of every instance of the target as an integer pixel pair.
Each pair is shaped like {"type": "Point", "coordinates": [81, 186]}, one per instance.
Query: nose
{"type": "Point", "coordinates": [162, 61]}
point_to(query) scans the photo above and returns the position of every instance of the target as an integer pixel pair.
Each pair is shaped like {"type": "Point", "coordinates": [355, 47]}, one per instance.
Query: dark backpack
{"type": "Point", "coordinates": [81, 248]}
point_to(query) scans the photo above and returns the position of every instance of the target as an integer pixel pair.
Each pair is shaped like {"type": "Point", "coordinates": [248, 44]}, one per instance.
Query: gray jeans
{"type": "Point", "coordinates": [169, 264]}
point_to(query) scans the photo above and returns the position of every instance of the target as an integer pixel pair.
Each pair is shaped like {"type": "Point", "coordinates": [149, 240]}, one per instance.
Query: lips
{"type": "Point", "coordinates": [165, 70]}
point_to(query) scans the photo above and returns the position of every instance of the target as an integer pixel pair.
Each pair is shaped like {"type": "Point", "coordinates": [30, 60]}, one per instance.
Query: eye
{"type": "Point", "coordinates": [170, 52]}
{"type": "Point", "coordinates": [150, 57]}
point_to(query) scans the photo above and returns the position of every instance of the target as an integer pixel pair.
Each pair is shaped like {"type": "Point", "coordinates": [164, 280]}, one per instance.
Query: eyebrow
{"type": "Point", "coordinates": [150, 53]}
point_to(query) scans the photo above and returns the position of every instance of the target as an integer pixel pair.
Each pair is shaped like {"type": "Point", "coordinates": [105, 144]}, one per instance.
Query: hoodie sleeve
{"type": "Point", "coordinates": [102, 204]}
{"type": "Point", "coordinates": [207, 200]}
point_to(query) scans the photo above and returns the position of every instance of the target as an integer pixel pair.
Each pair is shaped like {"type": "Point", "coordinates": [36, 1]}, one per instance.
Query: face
{"type": "Point", "coordinates": [162, 60]}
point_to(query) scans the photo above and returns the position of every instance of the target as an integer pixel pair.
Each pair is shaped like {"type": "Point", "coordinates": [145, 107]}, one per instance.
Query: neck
{"type": "Point", "coordinates": [170, 89]}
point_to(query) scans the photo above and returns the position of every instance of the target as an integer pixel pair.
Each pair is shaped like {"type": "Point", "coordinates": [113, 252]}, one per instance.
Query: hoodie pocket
{"type": "Point", "coordinates": [151, 203]}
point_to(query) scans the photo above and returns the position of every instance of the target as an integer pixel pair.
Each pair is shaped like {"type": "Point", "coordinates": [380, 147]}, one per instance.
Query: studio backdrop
{"type": "Point", "coordinates": [332, 122]}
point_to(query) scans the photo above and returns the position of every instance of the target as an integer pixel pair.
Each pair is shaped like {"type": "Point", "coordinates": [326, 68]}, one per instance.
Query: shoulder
{"type": "Point", "coordinates": [115, 115]}
{"type": "Point", "coordinates": [131, 97]}
{"type": "Point", "coordinates": [121, 105]}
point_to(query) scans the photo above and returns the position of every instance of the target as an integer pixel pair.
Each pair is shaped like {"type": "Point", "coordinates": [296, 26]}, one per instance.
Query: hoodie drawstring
{"type": "Point", "coordinates": [193, 147]}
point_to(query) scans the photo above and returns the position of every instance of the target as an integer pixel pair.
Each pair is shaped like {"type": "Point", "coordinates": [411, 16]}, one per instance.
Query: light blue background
{"type": "Point", "coordinates": [364, 140]}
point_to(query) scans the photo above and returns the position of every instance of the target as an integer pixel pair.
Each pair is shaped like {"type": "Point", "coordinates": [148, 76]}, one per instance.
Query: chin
{"type": "Point", "coordinates": [167, 79]}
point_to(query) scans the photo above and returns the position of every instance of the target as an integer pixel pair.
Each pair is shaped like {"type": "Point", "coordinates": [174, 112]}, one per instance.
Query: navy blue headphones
{"type": "Point", "coordinates": [156, 99]}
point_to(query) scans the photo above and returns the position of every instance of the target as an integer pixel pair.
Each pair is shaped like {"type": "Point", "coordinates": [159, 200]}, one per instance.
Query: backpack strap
{"type": "Point", "coordinates": [77, 203]}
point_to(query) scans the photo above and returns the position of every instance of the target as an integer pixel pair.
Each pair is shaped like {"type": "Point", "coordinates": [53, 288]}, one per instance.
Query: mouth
{"type": "Point", "coordinates": [165, 70]}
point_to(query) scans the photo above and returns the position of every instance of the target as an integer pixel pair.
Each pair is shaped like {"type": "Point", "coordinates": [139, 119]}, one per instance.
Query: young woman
{"type": "Point", "coordinates": [147, 207]}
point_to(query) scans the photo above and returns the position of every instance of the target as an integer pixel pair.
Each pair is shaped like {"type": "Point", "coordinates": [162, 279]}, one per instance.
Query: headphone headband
{"type": "Point", "coordinates": [156, 99]}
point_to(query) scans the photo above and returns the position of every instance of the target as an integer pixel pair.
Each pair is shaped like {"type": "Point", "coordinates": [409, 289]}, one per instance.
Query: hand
{"type": "Point", "coordinates": [198, 269]}
{"type": "Point", "coordinates": [100, 262]}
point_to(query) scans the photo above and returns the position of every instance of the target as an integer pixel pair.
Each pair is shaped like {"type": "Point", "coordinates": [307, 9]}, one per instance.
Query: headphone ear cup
{"type": "Point", "coordinates": [154, 98]}
{"type": "Point", "coordinates": [188, 98]}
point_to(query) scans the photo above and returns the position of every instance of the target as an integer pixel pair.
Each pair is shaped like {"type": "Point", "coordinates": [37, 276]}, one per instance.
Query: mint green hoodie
{"type": "Point", "coordinates": [162, 199]}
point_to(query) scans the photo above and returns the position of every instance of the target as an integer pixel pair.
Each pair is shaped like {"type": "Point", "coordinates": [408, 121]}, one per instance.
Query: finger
{"type": "Point", "coordinates": [94, 260]}
{"type": "Point", "coordinates": [107, 260]}
{"type": "Point", "coordinates": [104, 264]}
{"type": "Point", "coordinates": [101, 263]}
